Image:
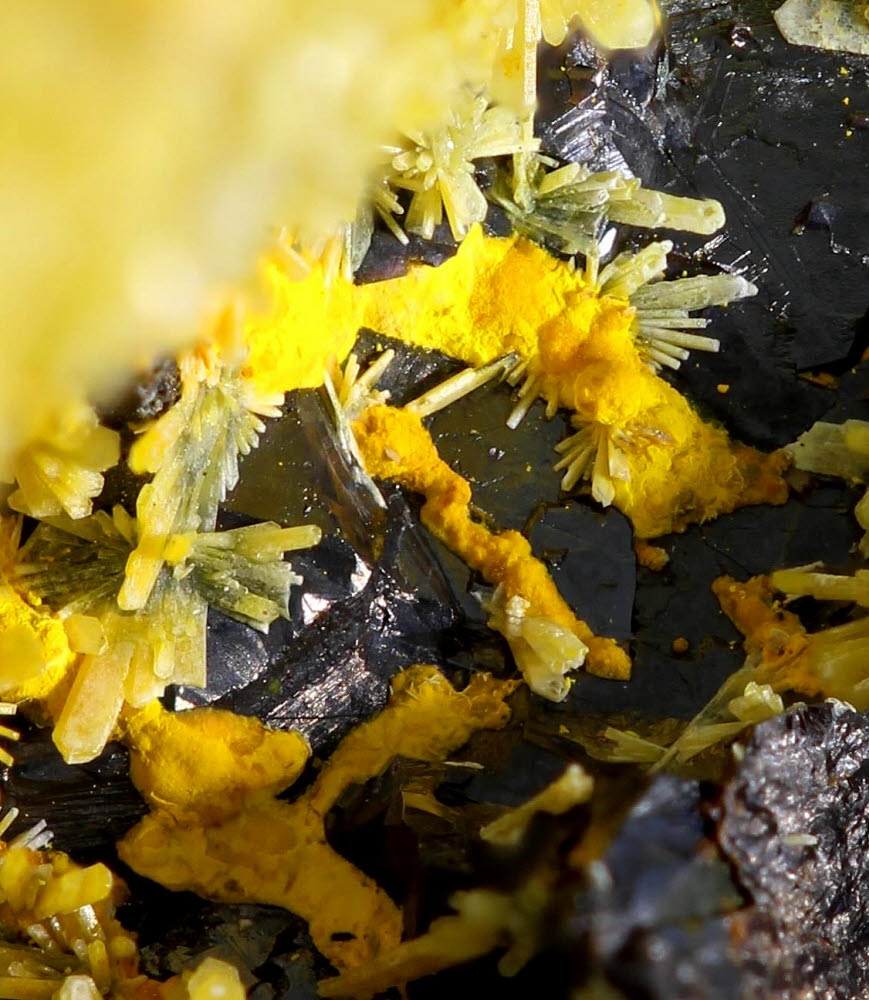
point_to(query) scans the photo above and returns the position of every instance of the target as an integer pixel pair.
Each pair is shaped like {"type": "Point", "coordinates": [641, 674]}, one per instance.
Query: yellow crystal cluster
{"type": "Point", "coordinates": [133, 593]}
{"type": "Point", "coordinates": [61, 940]}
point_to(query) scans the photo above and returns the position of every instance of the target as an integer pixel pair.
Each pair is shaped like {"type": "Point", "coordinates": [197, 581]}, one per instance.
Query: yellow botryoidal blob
{"type": "Point", "coordinates": [272, 851]}
{"type": "Point", "coordinates": [244, 760]}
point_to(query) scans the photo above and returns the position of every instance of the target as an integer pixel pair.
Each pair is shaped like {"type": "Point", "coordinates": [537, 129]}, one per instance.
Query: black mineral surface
{"type": "Point", "coordinates": [147, 397]}
{"type": "Point", "coordinates": [796, 828]}
{"type": "Point", "coordinates": [651, 920]}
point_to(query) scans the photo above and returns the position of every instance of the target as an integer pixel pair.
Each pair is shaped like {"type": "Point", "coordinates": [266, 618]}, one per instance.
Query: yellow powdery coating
{"type": "Point", "coordinates": [275, 852]}
{"type": "Point", "coordinates": [498, 295]}
{"type": "Point", "coordinates": [685, 471]}
{"type": "Point", "coordinates": [311, 321]}
{"type": "Point", "coordinates": [247, 116]}
{"type": "Point", "coordinates": [491, 298]}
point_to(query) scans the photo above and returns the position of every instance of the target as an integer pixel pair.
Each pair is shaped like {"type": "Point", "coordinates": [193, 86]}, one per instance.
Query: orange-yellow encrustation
{"type": "Point", "coordinates": [491, 298]}
{"type": "Point", "coordinates": [775, 640]}
{"type": "Point", "coordinates": [830, 663]}
{"type": "Point", "coordinates": [649, 556]}
{"type": "Point", "coordinates": [251, 847]}
{"type": "Point", "coordinates": [395, 445]}
{"type": "Point", "coordinates": [499, 295]}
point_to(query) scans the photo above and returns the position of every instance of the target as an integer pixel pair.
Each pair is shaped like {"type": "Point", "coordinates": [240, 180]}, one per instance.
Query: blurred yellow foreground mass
{"type": "Point", "coordinates": [146, 149]}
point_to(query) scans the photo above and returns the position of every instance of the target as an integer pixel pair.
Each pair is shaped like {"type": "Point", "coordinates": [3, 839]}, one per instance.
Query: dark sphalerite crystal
{"type": "Point", "coordinates": [796, 827]}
